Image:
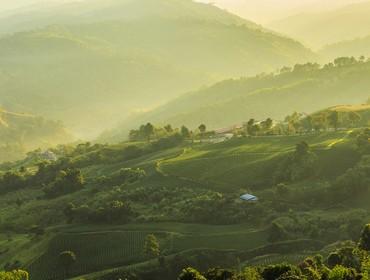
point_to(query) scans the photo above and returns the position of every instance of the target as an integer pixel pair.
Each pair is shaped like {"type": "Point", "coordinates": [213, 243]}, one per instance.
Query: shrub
{"type": "Point", "coordinates": [191, 274]}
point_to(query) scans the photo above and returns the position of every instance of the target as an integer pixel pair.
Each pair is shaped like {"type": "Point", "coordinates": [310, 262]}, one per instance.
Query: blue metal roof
{"type": "Point", "coordinates": [249, 197]}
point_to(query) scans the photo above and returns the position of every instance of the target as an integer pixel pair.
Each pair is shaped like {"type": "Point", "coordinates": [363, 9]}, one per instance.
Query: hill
{"type": "Point", "coordinates": [20, 133]}
{"type": "Point", "coordinates": [320, 29]}
{"type": "Point", "coordinates": [76, 12]}
{"type": "Point", "coordinates": [106, 64]}
{"type": "Point", "coordinates": [357, 47]}
{"type": "Point", "coordinates": [101, 201]}
{"type": "Point", "coordinates": [306, 88]}
{"type": "Point", "coordinates": [347, 114]}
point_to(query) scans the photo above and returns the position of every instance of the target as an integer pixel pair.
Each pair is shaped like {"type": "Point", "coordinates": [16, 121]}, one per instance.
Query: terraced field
{"type": "Point", "coordinates": [95, 251]}
{"type": "Point", "coordinates": [123, 245]}
{"type": "Point", "coordinates": [244, 162]}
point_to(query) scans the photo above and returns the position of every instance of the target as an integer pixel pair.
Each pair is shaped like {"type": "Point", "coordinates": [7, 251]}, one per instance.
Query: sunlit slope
{"type": "Point", "coordinates": [303, 90]}
{"type": "Point", "coordinates": [19, 133]}
{"type": "Point", "coordinates": [252, 163]}
{"type": "Point", "coordinates": [323, 28]}
{"type": "Point", "coordinates": [97, 71]}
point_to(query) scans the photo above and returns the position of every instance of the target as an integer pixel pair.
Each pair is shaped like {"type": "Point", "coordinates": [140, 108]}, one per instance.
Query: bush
{"type": "Point", "coordinates": [342, 273]}
{"type": "Point", "coordinates": [14, 275]}
{"type": "Point", "coordinates": [68, 181]}
{"type": "Point", "coordinates": [365, 238]}
{"type": "Point", "coordinates": [191, 274]}
{"type": "Point", "coordinates": [273, 272]}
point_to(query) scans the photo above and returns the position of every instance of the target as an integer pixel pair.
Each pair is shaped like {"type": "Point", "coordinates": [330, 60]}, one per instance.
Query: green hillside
{"type": "Point", "coordinates": [305, 88]}
{"type": "Point", "coordinates": [20, 133]}
{"type": "Point", "coordinates": [101, 201]}
{"type": "Point", "coordinates": [96, 11]}
{"type": "Point", "coordinates": [347, 114]}
{"type": "Point", "coordinates": [328, 27]}
{"type": "Point", "coordinates": [94, 72]}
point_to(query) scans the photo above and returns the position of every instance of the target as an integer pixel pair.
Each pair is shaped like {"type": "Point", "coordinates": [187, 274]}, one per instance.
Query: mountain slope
{"type": "Point", "coordinates": [319, 29]}
{"type": "Point", "coordinates": [357, 47]}
{"type": "Point", "coordinates": [20, 133]}
{"type": "Point", "coordinates": [307, 89]}
{"type": "Point", "coordinates": [101, 68]}
{"type": "Point", "coordinates": [38, 16]}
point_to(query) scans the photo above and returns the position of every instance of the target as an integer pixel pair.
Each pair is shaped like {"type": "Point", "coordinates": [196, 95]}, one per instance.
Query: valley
{"type": "Point", "coordinates": [173, 139]}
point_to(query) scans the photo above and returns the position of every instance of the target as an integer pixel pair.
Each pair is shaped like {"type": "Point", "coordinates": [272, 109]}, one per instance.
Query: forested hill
{"type": "Point", "coordinates": [106, 63]}
{"type": "Point", "coordinates": [19, 133]}
{"type": "Point", "coordinates": [306, 88]}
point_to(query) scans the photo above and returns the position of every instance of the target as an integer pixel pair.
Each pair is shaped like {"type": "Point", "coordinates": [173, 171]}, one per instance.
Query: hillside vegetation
{"type": "Point", "coordinates": [304, 88]}
{"type": "Point", "coordinates": [21, 133]}
{"type": "Point", "coordinates": [186, 193]}
{"type": "Point", "coordinates": [107, 64]}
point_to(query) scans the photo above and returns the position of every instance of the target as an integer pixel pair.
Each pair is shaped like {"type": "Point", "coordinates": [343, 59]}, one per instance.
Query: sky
{"type": "Point", "coordinates": [265, 11]}
{"type": "Point", "coordinates": [260, 11]}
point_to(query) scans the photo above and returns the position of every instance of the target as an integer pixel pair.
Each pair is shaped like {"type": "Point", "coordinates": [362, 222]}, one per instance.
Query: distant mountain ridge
{"type": "Point", "coordinates": [99, 68]}
{"type": "Point", "coordinates": [307, 88]}
{"type": "Point", "coordinates": [319, 29]}
{"type": "Point", "coordinates": [38, 16]}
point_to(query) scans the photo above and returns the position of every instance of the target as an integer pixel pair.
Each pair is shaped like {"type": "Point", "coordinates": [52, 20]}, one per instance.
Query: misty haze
{"type": "Point", "coordinates": [184, 140]}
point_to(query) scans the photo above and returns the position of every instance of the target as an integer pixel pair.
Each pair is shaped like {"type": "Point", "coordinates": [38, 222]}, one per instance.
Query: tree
{"type": "Point", "coordinates": [168, 128]}
{"type": "Point", "coordinates": [68, 181]}
{"type": "Point", "coordinates": [148, 131]}
{"type": "Point", "coordinates": [151, 246]}
{"type": "Point", "coordinates": [14, 275]}
{"type": "Point", "coordinates": [67, 259]}
{"type": "Point", "coordinates": [219, 274]}
{"type": "Point", "coordinates": [333, 119]}
{"type": "Point", "coordinates": [202, 128]}
{"type": "Point", "coordinates": [267, 124]}
{"type": "Point", "coordinates": [185, 132]}
{"type": "Point", "coordinates": [342, 273]}
{"type": "Point", "coordinates": [191, 274]}
{"type": "Point", "coordinates": [365, 238]}
{"type": "Point", "coordinates": [344, 61]}
{"type": "Point", "coordinates": [249, 126]}
{"type": "Point", "coordinates": [273, 272]}
{"type": "Point", "coordinates": [334, 259]}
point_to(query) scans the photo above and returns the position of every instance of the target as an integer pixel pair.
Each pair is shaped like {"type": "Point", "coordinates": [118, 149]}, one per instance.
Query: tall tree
{"type": "Point", "coordinates": [202, 128]}
{"type": "Point", "coordinates": [185, 132]}
{"type": "Point", "coordinates": [148, 131]}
